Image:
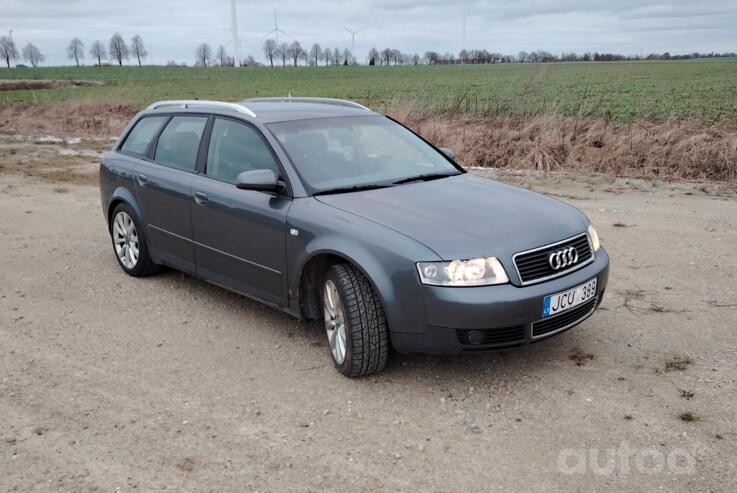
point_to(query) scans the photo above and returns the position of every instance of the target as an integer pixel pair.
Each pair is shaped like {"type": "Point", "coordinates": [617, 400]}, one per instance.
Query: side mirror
{"type": "Point", "coordinates": [448, 152]}
{"type": "Point", "coordinates": [262, 180]}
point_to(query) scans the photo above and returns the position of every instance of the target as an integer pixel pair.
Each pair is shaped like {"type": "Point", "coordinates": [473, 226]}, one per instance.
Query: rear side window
{"type": "Point", "coordinates": [179, 142]}
{"type": "Point", "coordinates": [142, 134]}
{"type": "Point", "coordinates": [235, 148]}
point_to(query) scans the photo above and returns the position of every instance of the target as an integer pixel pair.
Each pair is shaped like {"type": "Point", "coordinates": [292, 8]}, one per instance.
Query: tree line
{"type": "Point", "coordinates": [9, 52]}
{"type": "Point", "coordinates": [117, 50]}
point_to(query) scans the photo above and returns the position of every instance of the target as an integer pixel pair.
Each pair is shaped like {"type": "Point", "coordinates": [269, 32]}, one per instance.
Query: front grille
{"type": "Point", "coordinates": [563, 321]}
{"type": "Point", "coordinates": [534, 266]}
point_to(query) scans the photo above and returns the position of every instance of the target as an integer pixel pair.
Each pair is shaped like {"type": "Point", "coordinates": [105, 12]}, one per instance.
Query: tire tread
{"type": "Point", "coordinates": [366, 321]}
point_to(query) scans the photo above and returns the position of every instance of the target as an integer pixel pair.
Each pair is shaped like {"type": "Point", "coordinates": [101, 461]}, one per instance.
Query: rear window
{"type": "Point", "coordinates": [142, 134]}
{"type": "Point", "coordinates": [179, 142]}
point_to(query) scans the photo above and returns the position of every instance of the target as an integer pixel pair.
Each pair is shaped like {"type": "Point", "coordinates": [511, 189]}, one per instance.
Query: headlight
{"type": "Point", "coordinates": [594, 238]}
{"type": "Point", "coordinates": [473, 272]}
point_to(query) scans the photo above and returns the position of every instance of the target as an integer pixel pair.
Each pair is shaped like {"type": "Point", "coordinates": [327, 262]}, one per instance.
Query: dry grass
{"type": "Point", "coordinates": [677, 150]}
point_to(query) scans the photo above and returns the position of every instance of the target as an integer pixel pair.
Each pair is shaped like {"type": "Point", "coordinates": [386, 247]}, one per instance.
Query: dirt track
{"type": "Point", "coordinates": [109, 382]}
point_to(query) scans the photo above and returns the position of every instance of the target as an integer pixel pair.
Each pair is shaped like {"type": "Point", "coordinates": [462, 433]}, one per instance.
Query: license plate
{"type": "Point", "coordinates": [560, 302]}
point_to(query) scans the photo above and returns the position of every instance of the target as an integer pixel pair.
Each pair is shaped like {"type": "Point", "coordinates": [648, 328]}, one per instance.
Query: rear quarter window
{"type": "Point", "coordinates": [142, 134]}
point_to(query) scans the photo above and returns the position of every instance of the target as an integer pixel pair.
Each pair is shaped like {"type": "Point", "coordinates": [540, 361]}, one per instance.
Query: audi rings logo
{"type": "Point", "coordinates": [563, 258]}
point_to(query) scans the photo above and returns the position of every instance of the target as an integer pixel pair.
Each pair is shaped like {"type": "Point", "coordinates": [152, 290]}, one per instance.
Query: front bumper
{"type": "Point", "coordinates": [497, 317]}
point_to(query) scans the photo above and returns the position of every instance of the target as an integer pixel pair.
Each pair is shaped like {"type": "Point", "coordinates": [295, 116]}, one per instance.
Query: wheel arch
{"type": "Point", "coordinates": [314, 267]}
{"type": "Point", "coordinates": [122, 195]}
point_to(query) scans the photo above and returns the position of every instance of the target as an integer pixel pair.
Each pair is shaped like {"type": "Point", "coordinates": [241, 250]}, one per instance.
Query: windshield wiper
{"type": "Point", "coordinates": [354, 188]}
{"type": "Point", "coordinates": [427, 177]}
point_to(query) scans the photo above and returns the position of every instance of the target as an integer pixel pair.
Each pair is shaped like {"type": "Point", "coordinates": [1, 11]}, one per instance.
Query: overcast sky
{"type": "Point", "coordinates": [172, 29]}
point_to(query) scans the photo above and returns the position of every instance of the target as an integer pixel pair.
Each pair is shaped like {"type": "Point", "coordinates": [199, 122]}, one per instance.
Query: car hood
{"type": "Point", "coordinates": [466, 216]}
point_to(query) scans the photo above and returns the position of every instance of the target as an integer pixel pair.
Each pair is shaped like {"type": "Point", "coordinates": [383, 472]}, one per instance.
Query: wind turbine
{"type": "Point", "coordinates": [466, 13]}
{"type": "Point", "coordinates": [353, 37]}
{"type": "Point", "coordinates": [276, 30]}
{"type": "Point", "coordinates": [236, 37]}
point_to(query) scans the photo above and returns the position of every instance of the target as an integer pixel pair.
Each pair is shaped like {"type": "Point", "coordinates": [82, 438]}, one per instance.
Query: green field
{"type": "Point", "coordinates": [701, 90]}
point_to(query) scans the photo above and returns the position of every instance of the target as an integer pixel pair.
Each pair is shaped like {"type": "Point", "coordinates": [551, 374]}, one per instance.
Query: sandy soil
{"type": "Point", "coordinates": [113, 383]}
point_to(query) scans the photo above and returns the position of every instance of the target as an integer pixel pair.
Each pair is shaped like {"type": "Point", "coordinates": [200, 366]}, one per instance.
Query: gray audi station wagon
{"type": "Point", "coordinates": [329, 211]}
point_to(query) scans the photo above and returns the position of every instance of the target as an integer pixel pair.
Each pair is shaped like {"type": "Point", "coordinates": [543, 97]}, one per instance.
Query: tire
{"type": "Point", "coordinates": [126, 233]}
{"type": "Point", "coordinates": [365, 334]}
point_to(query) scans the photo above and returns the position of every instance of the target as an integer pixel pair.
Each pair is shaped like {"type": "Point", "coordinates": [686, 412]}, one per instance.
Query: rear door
{"type": "Point", "coordinates": [164, 184]}
{"type": "Point", "coordinates": [239, 234]}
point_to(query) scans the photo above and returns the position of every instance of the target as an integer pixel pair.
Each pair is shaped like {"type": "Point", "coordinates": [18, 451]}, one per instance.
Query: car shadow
{"type": "Point", "coordinates": [472, 368]}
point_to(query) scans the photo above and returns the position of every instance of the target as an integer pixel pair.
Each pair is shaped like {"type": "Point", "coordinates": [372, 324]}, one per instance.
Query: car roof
{"type": "Point", "coordinates": [270, 110]}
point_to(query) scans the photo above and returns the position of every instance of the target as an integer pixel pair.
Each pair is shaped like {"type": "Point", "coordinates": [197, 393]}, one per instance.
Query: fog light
{"type": "Point", "coordinates": [475, 337]}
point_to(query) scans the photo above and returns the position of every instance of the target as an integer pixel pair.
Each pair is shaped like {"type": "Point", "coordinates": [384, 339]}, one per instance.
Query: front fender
{"type": "Point", "coordinates": [385, 257]}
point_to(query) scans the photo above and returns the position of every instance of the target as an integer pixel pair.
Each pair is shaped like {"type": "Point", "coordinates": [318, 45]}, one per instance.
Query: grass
{"type": "Point", "coordinates": [698, 90]}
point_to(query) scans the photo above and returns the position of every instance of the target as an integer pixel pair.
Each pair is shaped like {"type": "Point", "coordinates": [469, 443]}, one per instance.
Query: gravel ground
{"type": "Point", "coordinates": [113, 383]}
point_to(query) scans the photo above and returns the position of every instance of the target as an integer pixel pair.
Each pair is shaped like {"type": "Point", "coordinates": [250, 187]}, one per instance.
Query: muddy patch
{"type": "Point", "coordinates": [28, 85]}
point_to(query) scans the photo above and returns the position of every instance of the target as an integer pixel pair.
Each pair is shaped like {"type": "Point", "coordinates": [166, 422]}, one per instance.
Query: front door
{"type": "Point", "coordinates": [239, 235]}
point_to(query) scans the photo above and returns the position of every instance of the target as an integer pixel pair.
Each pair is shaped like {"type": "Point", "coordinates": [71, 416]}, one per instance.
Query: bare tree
{"type": "Point", "coordinates": [8, 51]}
{"type": "Point", "coordinates": [282, 53]}
{"type": "Point", "coordinates": [315, 54]}
{"type": "Point", "coordinates": [97, 50]}
{"type": "Point", "coordinates": [386, 55]}
{"type": "Point", "coordinates": [118, 49]}
{"type": "Point", "coordinates": [432, 57]}
{"type": "Point", "coordinates": [336, 56]}
{"type": "Point", "coordinates": [347, 57]}
{"type": "Point", "coordinates": [396, 56]}
{"type": "Point", "coordinates": [327, 55]}
{"type": "Point", "coordinates": [270, 50]}
{"type": "Point", "coordinates": [75, 50]}
{"type": "Point", "coordinates": [203, 54]}
{"type": "Point", "coordinates": [33, 55]}
{"type": "Point", "coordinates": [373, 56]}
{"type": "Point", "coordinates": [295, 51]}
{"type": "Point", "coordinates": [138, 48]}
{"type": "Point", "coordinates": [222, 56]}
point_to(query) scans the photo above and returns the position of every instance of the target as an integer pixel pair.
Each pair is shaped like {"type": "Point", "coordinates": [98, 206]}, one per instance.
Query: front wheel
{"type": "Point", "coordinates": [354, 322]}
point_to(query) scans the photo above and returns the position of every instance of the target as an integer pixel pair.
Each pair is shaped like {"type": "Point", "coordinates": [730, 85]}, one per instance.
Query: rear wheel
{"type": "Point", "coordinates": [354, 322]}
{"type": "Point", "coordinates": [129, 244]}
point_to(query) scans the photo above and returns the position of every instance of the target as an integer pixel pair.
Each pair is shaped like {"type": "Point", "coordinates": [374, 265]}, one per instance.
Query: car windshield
{"type": "Point", "coordinates": [351, 153]}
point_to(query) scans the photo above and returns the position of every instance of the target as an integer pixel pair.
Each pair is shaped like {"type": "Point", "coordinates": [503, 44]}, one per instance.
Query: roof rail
{"type": "Point", "coordinates": [188, 103]}
{"type": "Point", "coordinates": [290, 99]}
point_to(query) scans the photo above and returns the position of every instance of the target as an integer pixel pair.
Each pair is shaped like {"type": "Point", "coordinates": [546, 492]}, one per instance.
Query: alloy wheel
{"type": "Point", "coordinates": [334, 321]}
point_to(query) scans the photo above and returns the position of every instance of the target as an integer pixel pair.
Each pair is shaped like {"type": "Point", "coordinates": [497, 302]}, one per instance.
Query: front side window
{"type": "Point", "coordinates": [347, 152]}
{"type": "Point", "coordinates": [142, 134]}
{"type": "Point", "coordinates": [234, 149]}
{"type": "Point", "coordinates": [179, 142]}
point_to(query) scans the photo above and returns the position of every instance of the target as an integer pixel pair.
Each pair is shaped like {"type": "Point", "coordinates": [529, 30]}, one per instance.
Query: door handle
{"type": "Point", "coordinates": [142, 180]}
{"type": "Point", "coordinates": [200, 198]}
